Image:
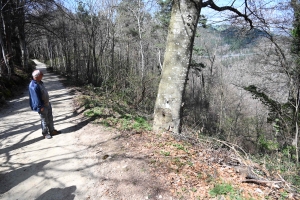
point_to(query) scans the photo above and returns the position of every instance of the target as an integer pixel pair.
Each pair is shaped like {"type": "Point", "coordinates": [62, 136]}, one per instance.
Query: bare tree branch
{"type": "Point", "coordinates": [212, 5]}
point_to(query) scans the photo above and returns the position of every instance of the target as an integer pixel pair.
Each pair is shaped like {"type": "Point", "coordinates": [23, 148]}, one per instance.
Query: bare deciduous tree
{"type": "Point", "coordinates": [182, 29]}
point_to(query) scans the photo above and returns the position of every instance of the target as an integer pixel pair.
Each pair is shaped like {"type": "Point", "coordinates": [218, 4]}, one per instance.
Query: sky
{"type": "Point", "coordinates": [69, 3]}
{"type": "Point", "coordinates": [281, 12]}
{"type": "Point", "coordinates": [215, 17]}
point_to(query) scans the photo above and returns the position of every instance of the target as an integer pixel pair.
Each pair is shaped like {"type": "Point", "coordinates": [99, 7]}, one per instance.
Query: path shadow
{"type": "Point", "coordinates": [13, 178]}
{"type": "Point", "coordinates": [59, 193]}
{"type": "Point", "coordinates": [20, 145]}
{"type": "Point", "coordinates": [77, 126]}
{"type": "Point", "coordinates": [27, 126]}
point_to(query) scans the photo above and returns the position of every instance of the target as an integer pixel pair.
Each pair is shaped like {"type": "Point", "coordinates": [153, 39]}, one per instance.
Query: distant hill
{"type": "Point", "coordinates": [238, 38]}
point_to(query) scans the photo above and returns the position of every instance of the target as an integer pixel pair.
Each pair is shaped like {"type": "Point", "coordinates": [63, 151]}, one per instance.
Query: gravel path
{"type": "Point", "coordinates": [33, 167]}
{"type": "Point", "coordinates": [86, 161]}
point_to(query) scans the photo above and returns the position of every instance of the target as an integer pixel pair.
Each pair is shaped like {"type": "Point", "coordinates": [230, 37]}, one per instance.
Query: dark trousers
{"type": "Point", "coordinates": [47, 120]}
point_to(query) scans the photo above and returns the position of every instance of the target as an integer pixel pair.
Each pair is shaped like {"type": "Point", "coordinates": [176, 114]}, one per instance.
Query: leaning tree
{"type": "Point", "coordinates": [182, 28]}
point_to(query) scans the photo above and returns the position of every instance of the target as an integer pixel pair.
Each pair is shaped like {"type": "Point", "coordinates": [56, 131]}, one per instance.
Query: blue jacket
{"type": "Point", "coordinates": [35, 96]}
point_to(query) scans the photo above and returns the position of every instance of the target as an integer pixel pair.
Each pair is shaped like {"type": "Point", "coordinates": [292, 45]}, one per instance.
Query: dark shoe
{"type": "Point", "coordinates": [48, 136]}
{"type": "Point", "coordinates": [55, 132]}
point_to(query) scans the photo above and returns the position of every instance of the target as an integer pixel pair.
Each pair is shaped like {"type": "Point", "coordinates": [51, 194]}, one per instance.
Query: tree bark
{"type": "Point", "coordinates": [3, 46]}
{"type": "Point", "coordinates": [296, 80]}
{"type": "Point", "coordinates": [182, 28]}
{"type": "Point", "coordinates": [22, 37]}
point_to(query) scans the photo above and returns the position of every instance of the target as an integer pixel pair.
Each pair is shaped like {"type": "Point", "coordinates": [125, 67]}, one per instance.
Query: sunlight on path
{"type": "Point", "coordinates": [33, 167]}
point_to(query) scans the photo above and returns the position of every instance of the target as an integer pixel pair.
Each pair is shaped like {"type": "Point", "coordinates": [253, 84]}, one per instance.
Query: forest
{"type": "Point", "coordinates": [241, 80]}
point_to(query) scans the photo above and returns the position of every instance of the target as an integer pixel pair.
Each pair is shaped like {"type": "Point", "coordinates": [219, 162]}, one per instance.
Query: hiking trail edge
{"type": "Point", "coordinates": [86, 161]}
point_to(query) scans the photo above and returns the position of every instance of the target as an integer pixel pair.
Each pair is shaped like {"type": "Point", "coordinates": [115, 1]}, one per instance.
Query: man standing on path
{"type": "Point", "coordinates": [39, 102]}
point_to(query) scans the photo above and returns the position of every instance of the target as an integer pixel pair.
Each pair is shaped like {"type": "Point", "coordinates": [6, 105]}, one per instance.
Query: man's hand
{"type": "Point", "coordinates": [42, 109]}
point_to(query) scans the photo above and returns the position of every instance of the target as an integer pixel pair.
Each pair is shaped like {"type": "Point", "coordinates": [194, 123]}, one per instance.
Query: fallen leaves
{"type": "Point", "coordinates": [192, 171]}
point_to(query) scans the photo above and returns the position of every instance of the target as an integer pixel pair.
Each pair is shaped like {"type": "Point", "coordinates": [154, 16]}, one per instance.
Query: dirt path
{"type": "Point", "coordinates": [86, 161]}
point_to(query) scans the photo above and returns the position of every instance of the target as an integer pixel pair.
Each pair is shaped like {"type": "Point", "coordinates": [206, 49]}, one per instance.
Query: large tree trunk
{"type": "Point", "coordinates": [296, 48]}
{"type": "Point", "coordinates": [183, 24]}
{"type": "Point", "coordinates": [3, 46]}
{"type": "Point", "coordinates": [4, 58]}
{"type": "Point", "coordinates": [21, 27]}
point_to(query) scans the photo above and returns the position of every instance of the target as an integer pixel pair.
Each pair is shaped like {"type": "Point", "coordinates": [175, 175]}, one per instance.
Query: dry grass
{"type": "Point", "coordinates": [192, 171]}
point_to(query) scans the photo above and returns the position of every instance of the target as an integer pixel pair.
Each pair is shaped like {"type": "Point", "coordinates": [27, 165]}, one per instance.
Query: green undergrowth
{"type": "Point", "coordinates": [282, 165]}
{"type": "Point", "coordinates": [109, 110]}
{"type": "Point", "coordinates": [225, 189]}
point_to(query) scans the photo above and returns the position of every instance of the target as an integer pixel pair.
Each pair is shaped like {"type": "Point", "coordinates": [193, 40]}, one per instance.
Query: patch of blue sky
{"type": "Point", "coordinates": [218, 18]}
{"type": "Point", "coordinates": [93, 6]}
{"type": "Point", "coordinates": [278, 13]}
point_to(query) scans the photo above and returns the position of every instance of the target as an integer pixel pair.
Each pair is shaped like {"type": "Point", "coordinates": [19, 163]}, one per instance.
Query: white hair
{"type": "Point", "coordinates": [36, 73]}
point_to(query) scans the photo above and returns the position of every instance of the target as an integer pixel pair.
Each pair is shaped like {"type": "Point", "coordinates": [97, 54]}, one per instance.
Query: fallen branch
{"type": "Point", "coordinates": [263, 182]}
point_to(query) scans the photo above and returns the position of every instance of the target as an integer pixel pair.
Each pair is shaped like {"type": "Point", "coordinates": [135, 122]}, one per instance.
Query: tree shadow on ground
{"type": "Point", "coordinates": [19, 129]}
{"type": "Point", "coordinates": [13, 178]}
{"type": "Point", "coordinates": [20, 145]}
{"type": "Point", "coordinates": [122, 174]}
{"type": "Point", "coordinates": [59, 193]}
{"type": "Point", "coordinates": [77, 126]}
